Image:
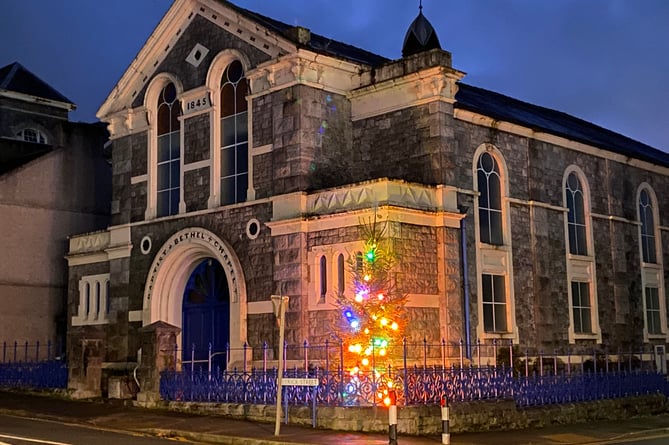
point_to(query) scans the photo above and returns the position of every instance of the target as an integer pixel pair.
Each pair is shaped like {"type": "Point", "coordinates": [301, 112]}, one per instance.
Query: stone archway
{"type": "Point", "coordinates": [169, 273]}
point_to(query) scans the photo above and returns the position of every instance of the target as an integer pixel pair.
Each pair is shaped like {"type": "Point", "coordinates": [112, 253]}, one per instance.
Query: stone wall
{"type": "Point", "coordinates": [426, 420]}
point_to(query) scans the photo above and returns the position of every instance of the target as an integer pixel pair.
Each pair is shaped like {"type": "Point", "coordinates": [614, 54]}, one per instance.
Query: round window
{"type": "Point", "coordinates": [145, 245]}
{"type": "Point", "coordinates": [253, 228]}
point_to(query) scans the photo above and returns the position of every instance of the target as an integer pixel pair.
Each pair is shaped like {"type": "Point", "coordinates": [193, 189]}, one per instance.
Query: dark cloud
{"type": "Point", "coordinates": [605, 61]}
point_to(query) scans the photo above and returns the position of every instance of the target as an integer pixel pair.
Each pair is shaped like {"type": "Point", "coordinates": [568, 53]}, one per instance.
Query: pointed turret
{"type": "Point", "coordinates": [420, 36]}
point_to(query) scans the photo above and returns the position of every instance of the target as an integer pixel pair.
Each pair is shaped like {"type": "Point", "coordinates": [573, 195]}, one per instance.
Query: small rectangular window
{"type": "Point", "coordinates": [581, 307]}
{"type": "Point", "coordinates": [653, 310]}
{"type": "Point", "coordinates": [494, 303]}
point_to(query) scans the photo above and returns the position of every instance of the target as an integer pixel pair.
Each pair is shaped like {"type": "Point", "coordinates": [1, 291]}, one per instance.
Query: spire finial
{"type": "Point", "coordinates": [420, 6]}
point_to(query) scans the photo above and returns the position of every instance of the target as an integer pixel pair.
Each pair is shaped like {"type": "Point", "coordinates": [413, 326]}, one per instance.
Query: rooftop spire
{"type": "Point", "coordinates": [421, 36]}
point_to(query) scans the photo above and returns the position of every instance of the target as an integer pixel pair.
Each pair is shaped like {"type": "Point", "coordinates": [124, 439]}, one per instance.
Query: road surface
{"type": "Point", "coordinates": [25, 431]}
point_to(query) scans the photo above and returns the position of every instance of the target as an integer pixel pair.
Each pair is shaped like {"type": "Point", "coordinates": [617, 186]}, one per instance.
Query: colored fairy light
{"type": "Point", "coordinates": [394, 326]}
{"type": "Point", "coordinates": [380, 297]}
{"type": "Point", "coordinates": [368, 351]}
{"type": "Point", "coordinates": [384, 321]}
{"type": "Point", "coordinates": [358, 298]}
{"type": "Point", "coordinates": [355, 324]}
{"type": "Point", "coordinates": [367, 277]}
{"type": "Point", "coordinates": [365, 361]}
{"type": "Point", "coordinates": [382, 352]}
{"type": "Point", "coordinates": [351, 348]}
{"type": "Point", "coordinates": [348, 314]}
{"type": "Point", "coordinates": [366, 331]}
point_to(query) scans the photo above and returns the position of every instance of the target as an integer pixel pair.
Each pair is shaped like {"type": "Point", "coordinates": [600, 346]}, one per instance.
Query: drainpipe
{"type": "Point", "coordinates": [465, 278]}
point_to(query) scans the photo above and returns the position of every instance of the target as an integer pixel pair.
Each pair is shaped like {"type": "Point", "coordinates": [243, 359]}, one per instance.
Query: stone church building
{"type": "Point", "coordinates": [247, 153]}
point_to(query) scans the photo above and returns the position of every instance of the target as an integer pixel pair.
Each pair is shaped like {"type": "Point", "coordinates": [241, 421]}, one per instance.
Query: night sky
{"type": "Point", "coordinates": [605, 61]}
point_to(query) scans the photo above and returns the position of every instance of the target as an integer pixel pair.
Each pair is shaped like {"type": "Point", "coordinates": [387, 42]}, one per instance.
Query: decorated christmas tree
{"type": "Point", "coordinates": [373, 316]}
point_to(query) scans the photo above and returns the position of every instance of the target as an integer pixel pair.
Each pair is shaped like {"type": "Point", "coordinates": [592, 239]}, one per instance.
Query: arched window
{"type": "Point", "coordinates": [647, 227]}
{"type": "Point", "coordinates": [341, 278]}
{"type": "Point", "coordinates": [576, 219]}
{"type": "Point", "coordinates": [96, 312]}
{"type": "Point", "coordinates": [358, 262]}
{"type": "Point", "coordinates": [169, 152]}
{"type": "Point", "coordinates": [87, 300]}
{"type": "Point", "coordinates": [323, 278]}
{"type": "Point", "coordinates": [494, 255]}
{"type": "Point", "coordinates": [107, 299]}
{"type": "Point", "coordinates": [652, 269]}
{"type": "Point", "coordinates": [32, 135]}
{"type": "Point", "coordinates": [490, 200]}
{"type": "Point", "coordinates": [234, 134]}
{"type": "Point", "coordinates": [580, 258]}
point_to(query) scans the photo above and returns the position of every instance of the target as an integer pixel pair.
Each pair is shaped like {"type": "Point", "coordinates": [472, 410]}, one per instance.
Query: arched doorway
{"type": "Point", "coordinates": [169, 274]}
{"type": "Point", "coordinates": [206, 315]}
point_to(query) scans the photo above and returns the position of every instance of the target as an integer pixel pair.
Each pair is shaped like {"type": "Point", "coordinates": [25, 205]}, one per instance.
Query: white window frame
{"type": "Point", "coordinates": [581, 268]}
{"type": "Point", "coordinates": [150, 103]}
{"type": "Point", "coordinates": [216, 70]}
{"type": "Point", "coordinates": [492, 259]}
{"type": "Point", "coordinates": [331, 254]}
{"type": "Point", "coordinates": [652, 274]}
{"type": "Point", "coordinates": [93, 301]}
{"type": "Point", "coordinates": [40, 136]}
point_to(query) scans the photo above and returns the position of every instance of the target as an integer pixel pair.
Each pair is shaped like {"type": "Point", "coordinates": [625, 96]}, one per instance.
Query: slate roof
{"type": "Point", "coordinates": [318, 43]}
{"type": "Point", "coordinates": [15, 77]}
{"type": "Point", "coordinates": [508, 109]}
{"type": "Point", "coordinates": [488, 103]}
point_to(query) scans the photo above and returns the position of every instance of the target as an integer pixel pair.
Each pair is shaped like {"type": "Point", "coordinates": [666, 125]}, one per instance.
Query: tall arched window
{"type": "Point", "coordinates": [341, 278]}
{"type": "Point", "coordinates": [323, 278]}
{"type": "Point", "coordinates": [234, 134]}
{"type": "Point", "coordinates": [169, 152]}
{"type": "Point", "coordinates": [87, 300]}
{"type": "Point", "coordinates": [580, 258]}
{"type": "Point", "coordinates": [490, 200]}
{"type": "Point", "coordinates": [647, 227]}
{"type": "Point", "coordinates": [652, 270]}
{"type": "Point", "coordinates": [494, 254]}
{"type": "Point", "coordinates": [576, 221]}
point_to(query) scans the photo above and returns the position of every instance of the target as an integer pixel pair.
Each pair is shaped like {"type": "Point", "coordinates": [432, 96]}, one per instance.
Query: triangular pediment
{"type": "Point", "coordinates": [264, 35]}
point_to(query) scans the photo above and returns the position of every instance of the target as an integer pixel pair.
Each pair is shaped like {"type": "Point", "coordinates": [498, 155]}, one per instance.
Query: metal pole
{"type": "Point", "coordinates": [280, 312]}
{"type": "Point", "coordinates": [445, 427]}
{"type": "Point", "coordinates": [392, 418]}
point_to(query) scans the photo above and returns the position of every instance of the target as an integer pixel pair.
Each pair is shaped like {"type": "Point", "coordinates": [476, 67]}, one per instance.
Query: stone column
{"type": "Point", "coordinates": [158, 342]}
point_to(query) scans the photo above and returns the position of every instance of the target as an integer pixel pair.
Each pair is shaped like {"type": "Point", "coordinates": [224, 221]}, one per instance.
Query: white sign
{"type": "Point", "coordinates": [299, 382]}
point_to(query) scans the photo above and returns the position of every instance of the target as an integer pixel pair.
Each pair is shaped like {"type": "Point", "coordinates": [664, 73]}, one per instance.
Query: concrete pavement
{"type": "Point", "coordinates": [118, 416]}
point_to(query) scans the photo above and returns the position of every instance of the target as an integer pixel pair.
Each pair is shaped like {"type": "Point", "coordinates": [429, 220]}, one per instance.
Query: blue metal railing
{"type": "Point", "coordinates": [535, 380]}
{"type": "Point", "coordinates": [28, 365]}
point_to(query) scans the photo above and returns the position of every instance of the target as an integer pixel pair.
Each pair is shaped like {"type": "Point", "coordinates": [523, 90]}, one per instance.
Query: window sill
{"type": "Point", "coordinates": [77, 321]}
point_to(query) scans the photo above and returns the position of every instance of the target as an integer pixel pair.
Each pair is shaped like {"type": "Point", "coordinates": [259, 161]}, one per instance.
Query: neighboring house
{"type": "Point", "coordinates": [246, 153]}
{"type": "Point", "coordinates": [55, 180]}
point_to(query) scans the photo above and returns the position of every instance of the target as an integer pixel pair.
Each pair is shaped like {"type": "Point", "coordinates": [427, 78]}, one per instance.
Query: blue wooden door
{"type": "Point", "coordinates": [206, 315]}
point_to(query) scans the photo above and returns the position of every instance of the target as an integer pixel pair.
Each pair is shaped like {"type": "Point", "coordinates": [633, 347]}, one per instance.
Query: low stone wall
{"type": "Point", "coordinates": [421, 420]}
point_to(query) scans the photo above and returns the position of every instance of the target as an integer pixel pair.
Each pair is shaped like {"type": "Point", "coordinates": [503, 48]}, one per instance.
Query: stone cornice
{"type": "Point", "coordinates": [100, 246]}
{"type": "Point", "coordinates": [485, 121]}
{"type": "Point", "coordinates": [343, 207]}
{"type": "Point", "coordinates": [306, 68]}
{"type": "Point", "coordinates": [437, 83]}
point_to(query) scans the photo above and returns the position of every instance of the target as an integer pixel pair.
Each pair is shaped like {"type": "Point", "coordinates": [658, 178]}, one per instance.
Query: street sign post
{"type": "Point", "coordinates": [279, 302]}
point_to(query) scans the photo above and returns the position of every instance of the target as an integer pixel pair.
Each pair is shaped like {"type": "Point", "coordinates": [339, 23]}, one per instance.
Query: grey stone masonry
{"type": "Point", "coordinates": [212, 37]}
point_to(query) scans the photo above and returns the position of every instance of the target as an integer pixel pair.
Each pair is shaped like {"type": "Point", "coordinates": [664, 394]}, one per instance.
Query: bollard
{"type": "Point", "coordinates": [445, 434]}
{"type": "Point", "coordinates": [392, 418]}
